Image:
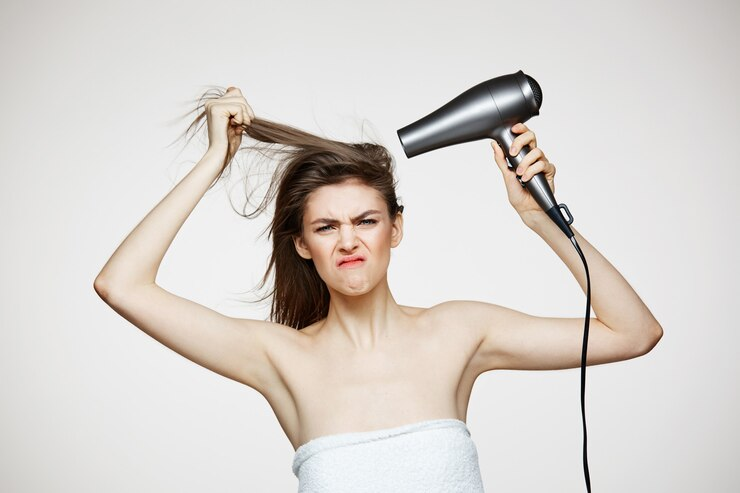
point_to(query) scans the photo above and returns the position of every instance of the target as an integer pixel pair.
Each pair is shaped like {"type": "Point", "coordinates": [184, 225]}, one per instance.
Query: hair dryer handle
{"type": "Point", "coordinates": [537, 185]}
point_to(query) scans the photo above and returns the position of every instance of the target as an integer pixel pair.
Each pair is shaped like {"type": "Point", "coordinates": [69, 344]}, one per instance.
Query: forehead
{"type": "Point", "coordinates": [344, 199]}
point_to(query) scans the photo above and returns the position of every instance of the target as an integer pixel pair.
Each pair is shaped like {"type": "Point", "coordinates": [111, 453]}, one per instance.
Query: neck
{"type": "Point", "coordinates": [365, 320]}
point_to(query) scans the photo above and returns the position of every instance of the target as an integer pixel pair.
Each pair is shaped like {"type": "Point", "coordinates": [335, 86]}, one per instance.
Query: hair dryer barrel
{"type": "Point", "coordinates": [488, 110]}
{"type": "Point", "coordinates": [474, 114]}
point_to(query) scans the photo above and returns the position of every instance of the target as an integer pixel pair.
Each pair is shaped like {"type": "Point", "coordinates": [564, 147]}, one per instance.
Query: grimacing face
{"type": "Point", "coordinates": [348, 234]}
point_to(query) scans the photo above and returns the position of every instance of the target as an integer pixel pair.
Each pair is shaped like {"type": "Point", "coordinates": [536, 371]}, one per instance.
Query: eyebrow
{"type": "Point", "coordinates": [328, 220]}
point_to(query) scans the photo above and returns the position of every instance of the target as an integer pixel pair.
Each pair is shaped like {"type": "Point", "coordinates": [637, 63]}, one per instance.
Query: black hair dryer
{"type": "Point", "coordinates": [488, 110]}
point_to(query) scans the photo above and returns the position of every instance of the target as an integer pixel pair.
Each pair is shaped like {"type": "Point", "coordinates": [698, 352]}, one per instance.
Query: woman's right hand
{"type": "Point", "coordinates": [226, 116]}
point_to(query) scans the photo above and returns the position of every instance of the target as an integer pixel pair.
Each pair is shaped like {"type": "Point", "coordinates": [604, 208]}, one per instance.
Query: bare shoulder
{"type": "Point", "coordinates": [248, 356]}
{"type": "Point", "coordinates": [439, 310]}
{"type": "Point", "coordinates": [452, 321]}
{"type": "Point", "coordinates": [273, 340]}
{"type": "Point", "coordinates": [460, 313]}
{"type": "Point", "coordinates": [270, 333]}
{"type": "Point", "coordinates": [414, 310]}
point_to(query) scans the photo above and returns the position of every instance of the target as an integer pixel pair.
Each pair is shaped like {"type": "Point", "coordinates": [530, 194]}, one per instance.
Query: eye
{"type": "Point", "coordinates": [368, 221]}
{"type": "Point", "coordinates": [323, 228]}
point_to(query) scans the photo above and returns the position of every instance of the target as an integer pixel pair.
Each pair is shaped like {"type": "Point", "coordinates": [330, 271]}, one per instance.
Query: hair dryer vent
{"type": "Point", "coordinates": [536, 90]}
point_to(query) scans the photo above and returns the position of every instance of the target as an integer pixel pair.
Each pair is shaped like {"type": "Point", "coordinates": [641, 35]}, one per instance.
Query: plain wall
{"type": "Point", "coordinates": [640, 117]}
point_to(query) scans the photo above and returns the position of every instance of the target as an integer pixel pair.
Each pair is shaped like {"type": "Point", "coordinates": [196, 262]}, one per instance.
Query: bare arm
{"type": "Point", "coordinates": [137, 259]}
{"type": "Point", "coordinates": [232, 347]}
{"type": "Point", "coordinates": [624, 327]}
{"type": "Point", "coordinates": [613, 300]}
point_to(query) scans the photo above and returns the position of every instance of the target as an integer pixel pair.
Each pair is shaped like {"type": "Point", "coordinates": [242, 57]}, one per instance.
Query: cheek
{"type": "Point", "coordinates": [385, 237]}
{"type": "Point", "coordinates": [320, 248]}
{"type": "Point", "coordinates": [379, 245]}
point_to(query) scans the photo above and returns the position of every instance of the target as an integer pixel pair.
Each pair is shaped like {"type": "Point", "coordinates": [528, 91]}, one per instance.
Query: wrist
{"type": "Point", "coordinates": [214, 156]}
{"type": "Point", "coordinates": [534, 219]}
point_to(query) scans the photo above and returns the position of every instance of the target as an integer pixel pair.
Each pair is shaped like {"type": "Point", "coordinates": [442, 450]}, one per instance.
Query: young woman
{"type": "Point", "coordinates": [373, 395]}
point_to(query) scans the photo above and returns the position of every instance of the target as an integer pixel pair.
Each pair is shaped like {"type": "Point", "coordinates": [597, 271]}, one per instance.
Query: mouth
{"type": "Point", "coordinates": [351, 261]}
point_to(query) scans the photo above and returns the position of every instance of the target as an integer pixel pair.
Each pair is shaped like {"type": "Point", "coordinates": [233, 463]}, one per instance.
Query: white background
{"type": "Point", "coordinates": [639, 115]}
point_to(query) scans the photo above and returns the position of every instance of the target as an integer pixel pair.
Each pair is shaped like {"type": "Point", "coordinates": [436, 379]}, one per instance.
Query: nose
{"type": "Point", "coordinates": [347, 238]}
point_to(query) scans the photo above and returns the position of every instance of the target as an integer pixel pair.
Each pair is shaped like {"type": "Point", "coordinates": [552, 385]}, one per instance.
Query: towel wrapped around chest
{"type": "Point", "coordinates": [429, 456]}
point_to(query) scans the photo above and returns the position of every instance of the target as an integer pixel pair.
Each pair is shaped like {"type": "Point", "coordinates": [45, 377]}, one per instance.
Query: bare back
{"type": "Point", "coordinates": [325, 388]}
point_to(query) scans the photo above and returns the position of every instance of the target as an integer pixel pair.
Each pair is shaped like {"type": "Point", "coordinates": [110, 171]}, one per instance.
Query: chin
{"type": "Point", "coordinates": [355, 290]}
{"type": "Point", "coordinates": [354, 287]}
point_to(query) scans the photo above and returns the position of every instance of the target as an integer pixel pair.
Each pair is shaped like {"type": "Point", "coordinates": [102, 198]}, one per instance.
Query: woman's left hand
{"type": "Point", "coordinates": [533, 163]}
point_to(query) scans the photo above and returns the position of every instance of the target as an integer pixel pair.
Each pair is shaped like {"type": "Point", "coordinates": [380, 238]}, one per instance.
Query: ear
{"type": "Point", "coordinates": [301, 248]}
{"type": "Point", "coordinates": [397, 230]}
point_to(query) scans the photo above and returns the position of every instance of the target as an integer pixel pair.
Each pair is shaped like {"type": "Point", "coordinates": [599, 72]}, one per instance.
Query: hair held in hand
{"type": "Point", "coordinates": [299, 162]}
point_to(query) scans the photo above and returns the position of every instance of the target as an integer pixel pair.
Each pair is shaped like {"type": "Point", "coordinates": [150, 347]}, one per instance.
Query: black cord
{"type": "Point", "coordinates": [583, 365]}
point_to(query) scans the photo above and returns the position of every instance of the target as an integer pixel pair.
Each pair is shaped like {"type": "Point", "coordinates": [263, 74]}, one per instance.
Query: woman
{"type": "Point", "coordinates": [371, 394]}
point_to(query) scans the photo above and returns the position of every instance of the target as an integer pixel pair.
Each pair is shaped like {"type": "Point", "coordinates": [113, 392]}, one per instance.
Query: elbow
{"type": "Point", "coordinates": [101, 287]}
{"type": "Point", "coordinates": [113, 291]}
{"type": "Point", "coordinates": [105, 288]}
{"type": "Point", "coordinates": [650, 339]}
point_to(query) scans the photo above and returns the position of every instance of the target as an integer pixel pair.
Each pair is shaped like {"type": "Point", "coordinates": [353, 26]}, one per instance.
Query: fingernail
{"type": "Point", "coordinates": [513, 151]}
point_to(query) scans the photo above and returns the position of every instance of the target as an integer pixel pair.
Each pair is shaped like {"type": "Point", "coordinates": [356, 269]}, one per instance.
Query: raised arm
{"type": "Point", "coordinates": [624, 327]}
{"type": "Point", "coordinates": [235, 348]}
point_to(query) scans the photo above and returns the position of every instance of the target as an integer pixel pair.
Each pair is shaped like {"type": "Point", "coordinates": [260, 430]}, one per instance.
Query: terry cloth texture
{"type": "Point", "coordinates": [429, 456]}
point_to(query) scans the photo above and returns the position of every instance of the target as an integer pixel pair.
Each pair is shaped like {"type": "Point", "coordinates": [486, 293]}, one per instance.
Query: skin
{"type": "Point", "coordinates": [371, 363]}
{"type": "Point", "coordinates": [362, 308]}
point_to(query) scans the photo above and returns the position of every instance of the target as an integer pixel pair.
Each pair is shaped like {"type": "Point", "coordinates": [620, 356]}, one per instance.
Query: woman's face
{"type": "Point", "coordinates": [348, 235]}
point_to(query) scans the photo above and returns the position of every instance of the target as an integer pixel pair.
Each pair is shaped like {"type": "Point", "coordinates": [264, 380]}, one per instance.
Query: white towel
{"type": "Point", "coordinates": [430, 456]}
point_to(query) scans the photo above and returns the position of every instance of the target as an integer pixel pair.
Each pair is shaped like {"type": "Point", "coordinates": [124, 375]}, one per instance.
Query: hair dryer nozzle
{"type": "Point", "coordinates": [475, 114]}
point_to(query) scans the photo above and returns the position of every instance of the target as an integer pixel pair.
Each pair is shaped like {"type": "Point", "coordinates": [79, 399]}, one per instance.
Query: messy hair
{"type": "Point", "coordinates": [303, 163]}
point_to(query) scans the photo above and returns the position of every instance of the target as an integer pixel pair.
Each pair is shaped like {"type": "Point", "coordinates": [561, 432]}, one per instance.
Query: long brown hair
{"type": "Point", "coordinates": [305, 162]}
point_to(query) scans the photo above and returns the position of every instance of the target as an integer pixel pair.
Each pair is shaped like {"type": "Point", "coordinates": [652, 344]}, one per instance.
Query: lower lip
{"type": "Point", "coordinates": [354, 263]}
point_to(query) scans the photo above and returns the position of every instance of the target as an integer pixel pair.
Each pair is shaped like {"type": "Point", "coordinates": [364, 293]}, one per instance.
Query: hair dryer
{"type": "Point", "coordinates": [488, 110]}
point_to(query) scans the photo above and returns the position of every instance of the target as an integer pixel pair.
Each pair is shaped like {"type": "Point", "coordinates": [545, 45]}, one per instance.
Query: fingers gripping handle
{"type": "Point", "coordinates": [540, 190]}
{"type": "Point", "coordinates": [537, 185]}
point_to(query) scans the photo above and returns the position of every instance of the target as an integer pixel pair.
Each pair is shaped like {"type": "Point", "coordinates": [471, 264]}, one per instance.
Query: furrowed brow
{"type": "Point", "coordinates": [365, 214]}
{"type": "Point", "coordinates": [328, 220]}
